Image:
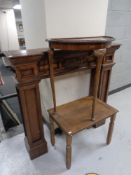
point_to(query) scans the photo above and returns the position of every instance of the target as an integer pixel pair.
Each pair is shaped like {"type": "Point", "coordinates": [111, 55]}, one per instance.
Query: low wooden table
{"type": "Point", "coordinates": [76, 115]}
{"type": "Point", "coordinates": [31, 66]}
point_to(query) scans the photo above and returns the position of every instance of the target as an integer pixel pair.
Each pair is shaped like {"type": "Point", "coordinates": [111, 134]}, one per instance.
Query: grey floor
{"type": "Point", "coordinates": [90, 153]}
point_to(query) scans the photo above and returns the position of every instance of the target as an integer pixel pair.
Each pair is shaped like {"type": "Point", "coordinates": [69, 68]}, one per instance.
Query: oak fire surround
{"type": "Point", "coordinates": [31, 67]}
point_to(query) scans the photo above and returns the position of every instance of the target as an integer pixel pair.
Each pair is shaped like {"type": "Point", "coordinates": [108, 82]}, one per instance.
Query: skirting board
{"type": "Point", "coordinates": [119, 89]}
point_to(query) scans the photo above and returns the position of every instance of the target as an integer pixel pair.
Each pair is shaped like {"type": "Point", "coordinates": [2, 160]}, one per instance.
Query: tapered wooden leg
{"type": "Point", "coordinates": [68, 151]}
{"type": "Point", "coordinates": [52, 132]}
{"type": "Point", "coordinates": [99, 54]}
{"type": "Point", "coordinates": [110, 131]}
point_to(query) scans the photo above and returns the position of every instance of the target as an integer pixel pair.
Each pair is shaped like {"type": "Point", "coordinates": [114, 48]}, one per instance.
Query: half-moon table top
{"type": "Point", "coordinates": [81, 43]}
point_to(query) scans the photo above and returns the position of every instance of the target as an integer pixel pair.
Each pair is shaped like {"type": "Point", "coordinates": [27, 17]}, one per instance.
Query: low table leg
{"type": "Point", "coordinates": [68, 151]}
{"type": "Point", "coordinates": [52, 132]}
{"type": "Point", "coordinates": [111, 127]}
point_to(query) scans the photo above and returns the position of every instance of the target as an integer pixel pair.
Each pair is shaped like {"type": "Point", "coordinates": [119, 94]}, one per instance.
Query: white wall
{"type": "Point", "coordinates": [68, 88]}
{"type": "Point", "coordinates": [119, 26]}
{"type": "Point", "coordinates": [33, 17]}
{"type": "Point", "coordinates": [8, 31]}
{"type": "Point", "coordinates": [70, 18]}
{"type": "Point", "coordinates": [63, 18]}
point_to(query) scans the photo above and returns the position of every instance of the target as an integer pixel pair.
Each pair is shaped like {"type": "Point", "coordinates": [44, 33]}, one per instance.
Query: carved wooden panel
{"type": "Point", "coordinates": [32, 116]}
{"type": "Point", "coordinates": [104, 83]}
{"type": "Point", "coordinates": [66, 62]}
{"type": "Point", "coordinates": [42, 64]}
{"type": "Point", "coordinates": [29, 96]}
{"type": "Point", "coordinates": [26, 72]}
